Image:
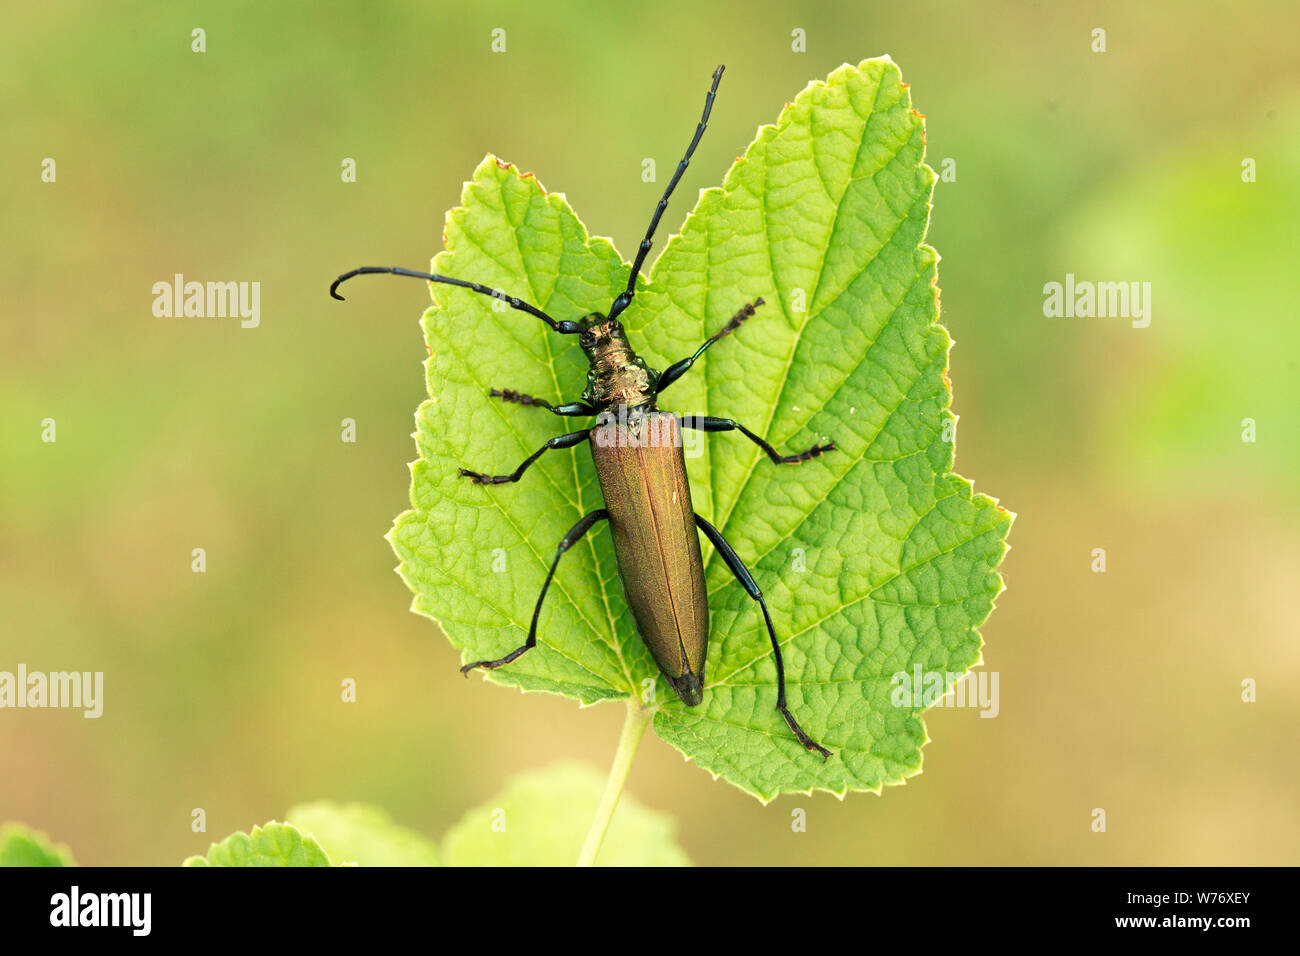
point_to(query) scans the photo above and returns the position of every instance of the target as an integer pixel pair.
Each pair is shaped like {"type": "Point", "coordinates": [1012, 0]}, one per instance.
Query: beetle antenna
{"type": "Point", "coordinates": [625, 298]}
{"type": "Point", "coordinates": [566, 328]}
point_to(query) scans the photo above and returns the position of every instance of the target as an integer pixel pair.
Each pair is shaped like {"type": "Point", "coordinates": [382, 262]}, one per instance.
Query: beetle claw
{"type": "Point", "coordinates": [479, 478]}
{"type": "Point", "coordinates": [808, 743]}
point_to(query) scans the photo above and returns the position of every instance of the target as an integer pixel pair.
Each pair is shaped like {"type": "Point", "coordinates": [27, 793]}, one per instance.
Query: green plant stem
{"type": "Point", "coordinates": [634, 727]}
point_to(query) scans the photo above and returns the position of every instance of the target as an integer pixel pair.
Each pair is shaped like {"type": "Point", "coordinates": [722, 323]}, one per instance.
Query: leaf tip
{"type": "Point", "coordinates": [530, 176]}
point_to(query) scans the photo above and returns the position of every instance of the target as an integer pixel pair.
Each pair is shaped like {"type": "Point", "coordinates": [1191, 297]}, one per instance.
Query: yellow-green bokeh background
{"type": "Point", "coordinates": [1118, 690]}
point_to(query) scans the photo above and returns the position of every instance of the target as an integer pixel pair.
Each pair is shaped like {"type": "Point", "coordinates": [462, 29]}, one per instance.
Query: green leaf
{"type": "Point", "coordinates": [20, 846]}
{"type": "Point", "coordinates": [362, 834]}
{"type": "Point", "coordinates": [874, 559]}
{"type": "Point", "coordinates": [541, 818]}
{"type": "Point", "coordinates": [276, 844]}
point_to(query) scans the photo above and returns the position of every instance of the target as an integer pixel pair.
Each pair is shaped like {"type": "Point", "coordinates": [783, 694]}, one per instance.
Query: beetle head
{"type": "Point", "coordinates": [599, 333]}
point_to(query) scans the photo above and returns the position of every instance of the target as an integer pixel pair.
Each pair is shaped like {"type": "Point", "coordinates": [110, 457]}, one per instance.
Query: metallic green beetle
{"type": "Point", "coordinates": [641, 465]}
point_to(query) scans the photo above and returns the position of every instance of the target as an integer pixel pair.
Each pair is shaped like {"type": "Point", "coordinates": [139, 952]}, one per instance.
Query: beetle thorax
{"type": "Point", "coordinates": [617, 376]}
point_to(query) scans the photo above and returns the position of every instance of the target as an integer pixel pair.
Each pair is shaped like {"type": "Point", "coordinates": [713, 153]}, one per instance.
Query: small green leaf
{"type": "Point", "coordinates": [875, 559]}
{"type": "Point", "coordinates": [542, 817]}
{"type": "Point", "coordinates": [362, 834]}
{"type": "Point", "coordinates": [275, 844]}
{"type": "Point", "coordinates": [20, 846]}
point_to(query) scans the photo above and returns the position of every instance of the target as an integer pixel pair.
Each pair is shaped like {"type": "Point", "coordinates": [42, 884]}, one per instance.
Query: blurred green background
{"type": "Point", "coordinates": [222, 690]}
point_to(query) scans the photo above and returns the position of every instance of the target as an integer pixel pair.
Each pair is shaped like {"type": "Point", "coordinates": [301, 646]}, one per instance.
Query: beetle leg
{"type": "Point", "coordinates": [747, 582]}
{"type": "Point", "coordinates": [519, 398]}
{"type": "Point", "coordinates": [707, 424]}
{"type": "Point", "coordinates": [569, 540]}
{"type": "Point", "coordinates": [675, 371]}
{"type": "Point", "coordinates": [559, 441]}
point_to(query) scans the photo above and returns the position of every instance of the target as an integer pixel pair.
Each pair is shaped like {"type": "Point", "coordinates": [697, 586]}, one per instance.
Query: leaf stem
{"type": "Point", "coordinates": [634, 728]}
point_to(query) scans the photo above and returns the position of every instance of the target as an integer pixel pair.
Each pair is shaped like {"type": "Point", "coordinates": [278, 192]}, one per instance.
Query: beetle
{"type": "Point", "coordinates": [641, 467]}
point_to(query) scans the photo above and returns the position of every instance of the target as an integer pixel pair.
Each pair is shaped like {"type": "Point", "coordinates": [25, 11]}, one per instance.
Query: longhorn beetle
{"type": "Point", "coordinates": [641, 466]}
